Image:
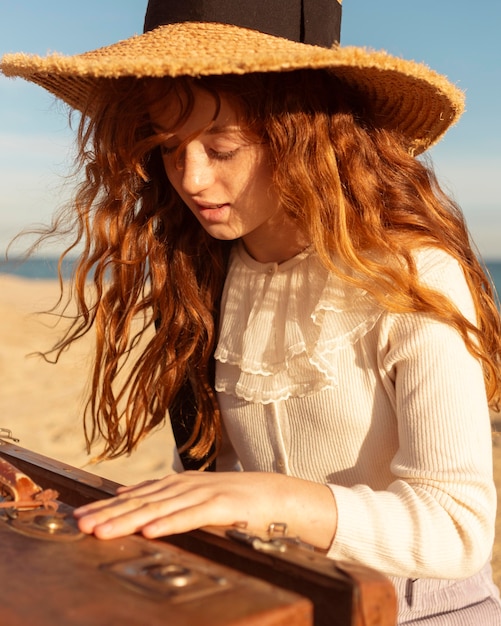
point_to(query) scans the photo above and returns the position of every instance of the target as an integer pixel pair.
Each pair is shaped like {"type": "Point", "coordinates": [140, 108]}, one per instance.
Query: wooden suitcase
{"type": "Point", "coordinates": [341, 594]}
{"type": "Point", "coordinates": [52, 576]}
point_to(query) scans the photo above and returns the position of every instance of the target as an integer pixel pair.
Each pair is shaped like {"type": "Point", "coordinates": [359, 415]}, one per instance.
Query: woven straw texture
{"type": "Point", "coordinates": [409, 96]}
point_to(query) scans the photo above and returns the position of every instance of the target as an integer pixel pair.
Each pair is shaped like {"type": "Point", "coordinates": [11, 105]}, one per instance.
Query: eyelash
{"type": "Point", "coordinates": [218, 156]}
{"type": "Point", "coordinates": [224, 156]}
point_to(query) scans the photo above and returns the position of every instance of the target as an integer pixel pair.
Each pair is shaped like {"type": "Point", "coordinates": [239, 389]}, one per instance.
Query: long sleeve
{"type": "Point", "coordinates": [436, 518]}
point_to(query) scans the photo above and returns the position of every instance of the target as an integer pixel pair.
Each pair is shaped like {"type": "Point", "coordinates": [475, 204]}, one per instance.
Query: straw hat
{"type": "Point", "coordinates": [204, 37]}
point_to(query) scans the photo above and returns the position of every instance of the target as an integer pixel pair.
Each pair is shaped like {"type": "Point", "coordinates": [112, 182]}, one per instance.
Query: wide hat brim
{"type": "Point", "coordinates": [407, 96]}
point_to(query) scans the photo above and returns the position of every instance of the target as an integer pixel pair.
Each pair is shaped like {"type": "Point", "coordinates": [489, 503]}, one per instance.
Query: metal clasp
{"type": "Point", "coordinates": [160, 574]}
{"type": "Point", "coordinates": [256, 542]}
{"type": "Point", "coordinates": [44, 524]}
{"type": "Point", "coordinates": [277, 539]}
{"type": "Point", "coordinates": [6, 433]}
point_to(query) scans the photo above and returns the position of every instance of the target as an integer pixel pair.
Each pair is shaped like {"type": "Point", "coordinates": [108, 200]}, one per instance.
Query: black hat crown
{"type": "Point", "coordinates": [316, 22]}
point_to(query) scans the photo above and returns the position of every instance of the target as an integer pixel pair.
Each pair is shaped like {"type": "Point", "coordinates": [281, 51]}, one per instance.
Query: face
{"type": "Point", "coordinates": [224, 178]}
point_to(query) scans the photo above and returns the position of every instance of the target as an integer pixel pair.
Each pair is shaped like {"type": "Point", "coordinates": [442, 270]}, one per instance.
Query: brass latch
{"type": "Point", "coordinates": [159, 573]}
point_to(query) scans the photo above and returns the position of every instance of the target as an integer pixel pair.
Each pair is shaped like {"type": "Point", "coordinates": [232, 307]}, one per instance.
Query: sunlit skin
{"type": "Point", "coordinates": [225, 179]}
{"type": "Point", "coordinates": [183, 502]}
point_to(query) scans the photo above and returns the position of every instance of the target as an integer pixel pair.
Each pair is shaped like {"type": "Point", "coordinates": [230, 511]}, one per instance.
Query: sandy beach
{"type": "Point", "coordinates": [42, 403]}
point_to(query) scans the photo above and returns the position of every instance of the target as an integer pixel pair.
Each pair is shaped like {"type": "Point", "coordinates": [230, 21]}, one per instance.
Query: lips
{"type": "Point", "coordinates": [213, 212]}
{"type": "Point", "coordinates": [209, 206]}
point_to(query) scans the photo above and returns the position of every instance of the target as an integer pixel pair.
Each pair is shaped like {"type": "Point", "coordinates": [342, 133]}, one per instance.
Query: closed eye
{"type": "Point", "coordinates": [223, 156]}
{"type": "Point", "coordinates": [217, 155]}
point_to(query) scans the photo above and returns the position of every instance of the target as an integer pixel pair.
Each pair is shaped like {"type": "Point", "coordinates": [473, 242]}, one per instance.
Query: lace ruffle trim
{"type": "Point", "coordinates": [284, 326]}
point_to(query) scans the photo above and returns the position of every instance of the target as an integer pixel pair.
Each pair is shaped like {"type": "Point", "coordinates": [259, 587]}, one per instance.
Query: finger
{"type": "Point", "coordinates": [127, 488]}
{"type": "Point", "coordinates": [188, 518]}
{"type": "Point", "coordinates": [197, 508]}
{"type": "Point", "coordinates": [161, 502]}
{"type": "Point", "coordinates": [91, 517]}
{"type": "Point", "coordinates": [176, 480]}
{"type": "Point", "coordinates": [131, 516]}
{"type": "Point", "coordinates": [128, 512]}
{"type": "Point", "coordinates": [145, 489]}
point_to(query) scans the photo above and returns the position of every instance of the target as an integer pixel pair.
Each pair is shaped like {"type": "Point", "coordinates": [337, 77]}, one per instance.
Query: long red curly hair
{"type": "Point", "coordinates": [347, 179]}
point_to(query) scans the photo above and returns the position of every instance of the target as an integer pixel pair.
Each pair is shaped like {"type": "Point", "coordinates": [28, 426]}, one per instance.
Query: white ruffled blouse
{"type": "Point", "coordinates": [282, 326]}
{"type": "Point", "coordinates": [315, 380]}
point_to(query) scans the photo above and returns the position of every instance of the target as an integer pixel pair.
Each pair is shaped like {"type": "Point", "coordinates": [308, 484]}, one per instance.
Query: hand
{"type": "Point", "coordinates": [183, 502]}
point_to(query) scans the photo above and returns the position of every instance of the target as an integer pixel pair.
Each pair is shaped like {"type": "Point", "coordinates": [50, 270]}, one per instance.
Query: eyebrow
{"type": "Point", "coordinates": [216, 129]}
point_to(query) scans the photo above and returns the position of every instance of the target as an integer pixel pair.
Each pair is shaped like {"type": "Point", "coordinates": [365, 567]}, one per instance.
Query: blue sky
{"type": "Point", "coordinates": [458, 38]}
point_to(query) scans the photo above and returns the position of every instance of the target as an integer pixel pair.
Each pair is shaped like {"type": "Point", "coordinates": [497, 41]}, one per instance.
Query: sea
{"type": "Point", "coordinates": [36, 268]}
{"type": "Point", "coordinates": [45, 268]}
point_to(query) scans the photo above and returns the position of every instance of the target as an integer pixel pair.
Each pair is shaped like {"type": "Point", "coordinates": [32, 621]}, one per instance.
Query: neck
{"type": "Point", "coordinates": [277, 247]}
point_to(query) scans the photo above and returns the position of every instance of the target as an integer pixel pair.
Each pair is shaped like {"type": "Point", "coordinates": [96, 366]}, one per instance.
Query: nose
{"type": "Point", "coordinates": [194, 169]}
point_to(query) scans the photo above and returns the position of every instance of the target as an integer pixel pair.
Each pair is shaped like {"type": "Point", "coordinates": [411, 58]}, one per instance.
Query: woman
{"type": "Point", "coordinates": [322, 322]}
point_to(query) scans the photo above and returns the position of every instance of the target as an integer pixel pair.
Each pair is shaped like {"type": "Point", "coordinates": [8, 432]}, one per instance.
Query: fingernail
{"type": "Point", "coordinates": [103, 529]}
